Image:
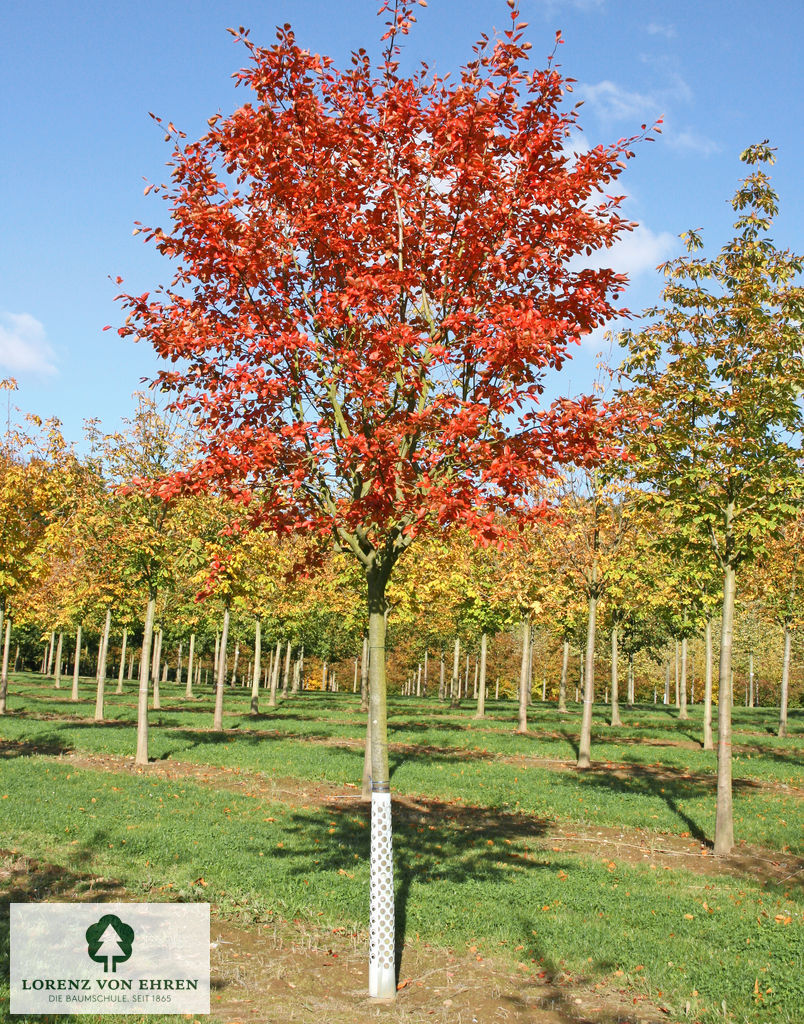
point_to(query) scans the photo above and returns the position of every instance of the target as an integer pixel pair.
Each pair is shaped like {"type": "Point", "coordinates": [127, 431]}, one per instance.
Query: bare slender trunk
{"type": "Point", "coordinates": [235, 663]}
{"type": "Point", "coordinates": [57, 666]}
{"type": "Point", "coordinates": [455, 684]}
{"type": "Point", "coordinates": [275, 674]}
{"type": "Point", "coordinates": [524, 677]}
{"type": "Point", "coordinates": [708, 742]}
{"type": "Point", "coordinates": [682, 712]}
{"type": "Point", "coordinates": [220, 680]}
{"type": "Point", "coordinates": [142, 697]}
{"type": "Point", "coordinates": [122, 668]}
{"type": "Point", "coordinates": [481, 681]}
{"type": "Point", "coordinates": [783, 699]}
{"type": "Point", "coordinates": [76, 663]}
{"type": "Point", "coordinates": [424, 680]}
{"type": "Point", "coordinates": [442, 693]}
{"type": "Point", "coordinates": [101, 680]}
{"type": "Point", "coordinates": [50, 649]}
{"type": "Point", "coordinates": [286, 677]}
{"type": "Point", "coordinates": [155, 667]}
{"type": "Point", "coordinates": [382, 968]}
{"type": "Point", "coordinates": [178, 664]}
{"type": "Point", "coordinates": [585, 742]}
{"type": "Point", "coordinates": [190, 655]}
{"type": "Point", "coordinates": [255, 679]}
{"type": "Point", "coordinates": [297, 672]}
{"type": "Point", "coordinates": [364, 675]}
{"type": "Point", "coordinates": [4, 675]}
{"type": "Point", "coordinates": [751, 701]}
{"type": "Point", "coordinates": [615, 682]}
{"type": "Point", "coordinates": [724, 813]}
{"type": "Point", "coordinates": [366, 790]}
{"type": "Point", "coordinates": [562, 686]}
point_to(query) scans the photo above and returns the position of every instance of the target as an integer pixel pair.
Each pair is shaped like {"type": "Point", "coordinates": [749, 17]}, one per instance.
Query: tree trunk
{"type": "Point", "coordinates": [50, 649]}
{"type": "Point", "coordinates": [220, 680]}
{"type": "Point", "coordinates": [297, 673]}
{"type": "Point", "coordinates": [190, 655]}
{"type": "Point", "coordinates": [783, 698]}
{"type": "Point", "coordinates": [615, 682]}
{"type": "Point", "coordinates": [666, 699]}
{"type": "Point", "coordinates": [424, 679]}
{"type": "Point", "coordinates": [751, 700]}
{"type": "Point", "coordinates": [585, 742]}
{"type": "Point", "coordinates": [708, 742]}
{"type": "Point", "coordinates": [481, 682]}
{"type": "Point", "coordinates": [678, 703]}
{"type": "Point", "coordinates": [724, 814]}
{"type": "Point", "coordinates": [631, 694]}
{"type": "Point", "coordinates": [382, 965]}
{"type": "Point", "coordinates": [524, 677]}
{"type": "Point", "coordinates": [4, 676]}
{"type": "Point", "coordinates": [235, 662]}
{"type": "Point", "coordinates": [178, 664]}
{"type": "Point", "coordinates": [142, 697]}
{"type": "Point", "coordinates": [255, 679]}
{"type": "Point", "coordinates": [366, 790]}
{"type": "Point", "coordinates": [76, 664]}
{"type": "Point", "coordinates": [155, 667]}
{"type": "Point", "coordinates": [562, 686]}
{"type": "Point", "coordinates": [455, 682]}
{"type": "Point", "coordinates": [101, 681]}
{"type": "Point", "coordinates": [275, 674]}
{"type": "Point", "coordinates": [57, 666]}
{"type": "Point", "coordinates": [286, 677]}
{"type": "Point", "coordinates": [682, 710]}
{"type": "Point", "coordinates": [122, 669]}
{"type": "Point", "coordinates": [442, 693]}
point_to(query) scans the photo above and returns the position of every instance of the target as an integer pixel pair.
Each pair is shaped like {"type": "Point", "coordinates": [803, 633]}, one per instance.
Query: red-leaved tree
{"type": "Point", "coordinates": [373, 275]}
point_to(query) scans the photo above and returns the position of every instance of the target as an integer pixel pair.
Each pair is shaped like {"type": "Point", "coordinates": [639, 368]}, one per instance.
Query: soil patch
{"type": "Point", "coordinates": [664, 851]}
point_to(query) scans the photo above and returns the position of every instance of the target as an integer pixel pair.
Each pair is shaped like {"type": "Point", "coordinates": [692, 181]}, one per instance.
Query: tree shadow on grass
{"type": "Point", "coordinates": [435, 842]}
{"type": "Point", "coordinates": [671, 785]}
{"type": "Point", "coordinates": [50, 744]}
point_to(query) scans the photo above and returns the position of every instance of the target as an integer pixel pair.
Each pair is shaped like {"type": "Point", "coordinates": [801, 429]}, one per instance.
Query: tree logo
{"type": "Point", "coordinates": [109, 942]}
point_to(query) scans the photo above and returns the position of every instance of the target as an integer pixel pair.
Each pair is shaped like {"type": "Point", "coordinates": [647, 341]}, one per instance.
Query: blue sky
{"type": "Point", "coordinates": [78, 80]}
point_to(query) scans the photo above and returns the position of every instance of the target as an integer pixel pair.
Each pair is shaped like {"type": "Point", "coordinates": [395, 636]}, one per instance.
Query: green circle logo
{"type": "Point", "coordinates": [109, 942]}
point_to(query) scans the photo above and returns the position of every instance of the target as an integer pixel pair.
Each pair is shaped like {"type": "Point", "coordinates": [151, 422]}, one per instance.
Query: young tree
{"type": "Point", "coordinates": [373, 275]}
{"type": "Point", "coordinates": [721, 368]}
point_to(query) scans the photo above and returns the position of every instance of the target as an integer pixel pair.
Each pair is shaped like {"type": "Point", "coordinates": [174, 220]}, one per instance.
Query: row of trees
{"type": "Point", "coordinates": [374, 275]}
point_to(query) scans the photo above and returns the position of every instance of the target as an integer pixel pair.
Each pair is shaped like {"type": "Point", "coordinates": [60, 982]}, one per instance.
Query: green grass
{"type": "Point", "coordinates": [479, 871]}
{"type": "Point", "coordinates": [458, 882]}
{"type": "Point", "coordinates": [464, 760]}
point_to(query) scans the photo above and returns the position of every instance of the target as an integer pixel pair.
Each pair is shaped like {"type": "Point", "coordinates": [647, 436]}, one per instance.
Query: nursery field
{"type": "Point", "coordinates": [526, 890]}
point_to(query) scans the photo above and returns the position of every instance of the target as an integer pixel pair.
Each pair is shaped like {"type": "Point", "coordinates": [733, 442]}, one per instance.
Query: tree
{"type": "Point", "coordinates": [373, 274]}
{"type": "Point", "coordinates": [721, 369]}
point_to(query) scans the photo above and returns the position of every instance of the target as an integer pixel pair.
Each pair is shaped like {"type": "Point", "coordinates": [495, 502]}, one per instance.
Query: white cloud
{"type": "Point", "coordinates": [691, 141]}
{"type": "Point", "coordinates": [656, 28]}
{"type": "Point", "coordinates": [636, 252]}
{"type": "Point", "coordinates": [612, 103]}
{"type": "Point", "coordinates": [639, 251]}
{"type": "Point", "coordinates": [24, 345]}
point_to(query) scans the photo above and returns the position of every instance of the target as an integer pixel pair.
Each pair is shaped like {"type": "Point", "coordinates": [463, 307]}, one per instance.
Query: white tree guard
{"type": "Point", "coordinates": [382, 967]}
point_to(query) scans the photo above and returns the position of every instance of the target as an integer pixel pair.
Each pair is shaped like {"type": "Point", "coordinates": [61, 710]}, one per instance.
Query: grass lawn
{"type": "Point", "coordinates": [477, 861]}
